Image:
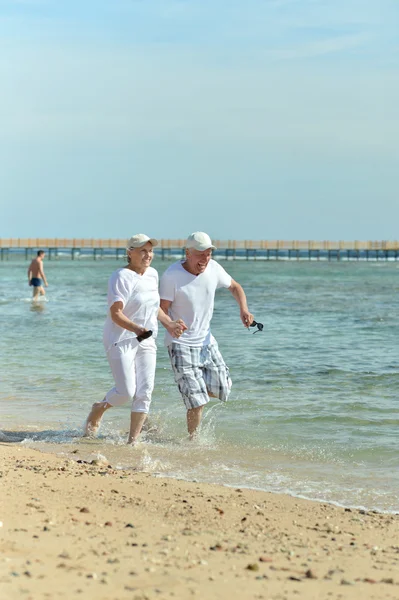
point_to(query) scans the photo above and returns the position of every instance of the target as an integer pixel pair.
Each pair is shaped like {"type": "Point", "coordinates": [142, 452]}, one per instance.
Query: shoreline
{"type": "Point", "coordinates": [88, 530]}
{"type": "Point", "coordinates": [86, 453]}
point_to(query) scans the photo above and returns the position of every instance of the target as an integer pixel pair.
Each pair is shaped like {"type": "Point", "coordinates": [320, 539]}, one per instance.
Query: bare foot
{"type": "Point", "coordinates": [93, 421]}
{"type": "Point", "coordinates": [91, 430]}
{"type": "Point", "coordinates": [132, 442]}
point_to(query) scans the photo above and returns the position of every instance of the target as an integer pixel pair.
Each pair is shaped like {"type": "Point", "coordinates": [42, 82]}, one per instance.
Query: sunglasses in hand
{"type": "Point", "coordinates": [258, 325]}
{"type": "Point", "coordinates": [144, 335]}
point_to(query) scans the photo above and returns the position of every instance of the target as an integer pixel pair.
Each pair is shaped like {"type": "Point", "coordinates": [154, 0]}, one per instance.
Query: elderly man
{"type": "Point", "coordinates": [187, 289]}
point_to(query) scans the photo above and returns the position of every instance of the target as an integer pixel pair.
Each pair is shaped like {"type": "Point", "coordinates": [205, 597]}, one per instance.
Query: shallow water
{"type": "Point", "coordinates": [314, 408]}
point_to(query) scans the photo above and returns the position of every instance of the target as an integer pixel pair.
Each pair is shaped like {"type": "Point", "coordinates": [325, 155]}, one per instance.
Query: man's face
{"type": "Point", "coordinates": [141, 258]}
{"type": "Point", "coordinates": [197, 260]}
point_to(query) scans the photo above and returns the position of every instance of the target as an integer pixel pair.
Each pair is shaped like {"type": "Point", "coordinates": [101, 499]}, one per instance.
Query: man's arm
{"type": "Point", "coordinates": [29, 273]}
{"type": "Point", "coordinates": [241, 299]}
{"type": "Point", "coordinates": [42, 275]}
{"type": "Point", "coordinates": [165, 305]}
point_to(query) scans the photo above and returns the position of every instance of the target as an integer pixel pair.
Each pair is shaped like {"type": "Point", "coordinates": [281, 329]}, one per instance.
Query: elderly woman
{"type": "Point", "coordinates": [129, 335]}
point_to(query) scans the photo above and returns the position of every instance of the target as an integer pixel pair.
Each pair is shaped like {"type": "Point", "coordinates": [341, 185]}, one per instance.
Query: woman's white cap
{"type": "Point", "coordinates": [199, 241]}
{"type": "Point", "coordinates": [138, 240]}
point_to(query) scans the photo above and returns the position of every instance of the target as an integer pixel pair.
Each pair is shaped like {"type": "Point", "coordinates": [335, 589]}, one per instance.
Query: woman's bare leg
{"type": "Point", "coordinates": [136, 423]}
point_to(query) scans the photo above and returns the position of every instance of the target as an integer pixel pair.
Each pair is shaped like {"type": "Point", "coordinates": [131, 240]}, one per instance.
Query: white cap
{"type": "Point", "coordinates": [199, 241]}
{"type": "Point", "coordinates": [138, 240]}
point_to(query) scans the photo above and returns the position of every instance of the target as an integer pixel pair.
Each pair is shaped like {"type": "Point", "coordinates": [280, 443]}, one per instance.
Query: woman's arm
{"type": "Point", "coordinates": [121, 319]}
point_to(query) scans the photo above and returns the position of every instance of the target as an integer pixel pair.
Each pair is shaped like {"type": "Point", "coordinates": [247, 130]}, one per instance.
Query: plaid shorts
{"type": "Point", "coordinates": [199, 372]}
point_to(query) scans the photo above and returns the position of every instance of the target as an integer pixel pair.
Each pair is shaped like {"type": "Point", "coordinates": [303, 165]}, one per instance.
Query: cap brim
{"type": "Point", "coordinates": [152, 241]}
{"type": "Point", "coordinates": [188, 247]}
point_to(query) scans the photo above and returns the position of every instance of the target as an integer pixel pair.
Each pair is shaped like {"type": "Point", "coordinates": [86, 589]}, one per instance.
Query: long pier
{"type": "Point", "coordinates": [75, 248]}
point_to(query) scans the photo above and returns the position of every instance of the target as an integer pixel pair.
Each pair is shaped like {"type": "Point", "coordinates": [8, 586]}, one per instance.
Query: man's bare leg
{"type": "Point", "coordinates": [136, 423]}
{"type": "Point", "coordinates": [36, 292]}
{"type": "Point", "coordinates": [94, 419]}
{"type": "Point", "coordinates": [194, 416]}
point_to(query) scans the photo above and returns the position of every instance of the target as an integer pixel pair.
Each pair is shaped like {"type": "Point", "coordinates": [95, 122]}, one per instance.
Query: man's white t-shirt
{"type": "Point", "coordinates": [140, 297]}
{"type": "Point", "coordinates": [192, 298]}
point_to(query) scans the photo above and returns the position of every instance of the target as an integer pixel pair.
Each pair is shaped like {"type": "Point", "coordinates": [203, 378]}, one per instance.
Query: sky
{"type": "Point", "coordinates": [263, 119]}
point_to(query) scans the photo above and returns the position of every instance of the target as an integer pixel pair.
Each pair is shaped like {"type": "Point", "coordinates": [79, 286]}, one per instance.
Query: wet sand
{"type": "Point", "coordinates": [86, 530]}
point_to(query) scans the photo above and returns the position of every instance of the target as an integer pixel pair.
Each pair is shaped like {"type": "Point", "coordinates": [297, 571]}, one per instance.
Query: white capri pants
{"type": "Point", "coordinates": [133, 367]}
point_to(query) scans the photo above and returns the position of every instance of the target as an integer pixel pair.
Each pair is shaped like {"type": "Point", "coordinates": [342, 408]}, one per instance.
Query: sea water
{"type": "Point", "coordinates": [314, 408]}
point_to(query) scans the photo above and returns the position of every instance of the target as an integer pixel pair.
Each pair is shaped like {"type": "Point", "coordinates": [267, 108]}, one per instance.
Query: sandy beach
{"type": "Point", "coordinates": [75, 529]}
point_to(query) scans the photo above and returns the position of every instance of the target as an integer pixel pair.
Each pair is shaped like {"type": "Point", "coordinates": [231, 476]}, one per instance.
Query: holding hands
{"type": "Point", "coordinates": [176, 328]}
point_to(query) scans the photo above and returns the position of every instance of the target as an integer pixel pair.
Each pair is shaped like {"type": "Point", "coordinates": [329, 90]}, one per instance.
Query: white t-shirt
{"type": "Point", "coordinates": [192, 298]}
{"type": "Point", "coordinates": [140, 297]}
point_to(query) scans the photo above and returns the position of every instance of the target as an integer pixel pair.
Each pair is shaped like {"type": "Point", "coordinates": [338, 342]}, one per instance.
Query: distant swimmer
{"type": "Point", "coordinates": [36, 276]}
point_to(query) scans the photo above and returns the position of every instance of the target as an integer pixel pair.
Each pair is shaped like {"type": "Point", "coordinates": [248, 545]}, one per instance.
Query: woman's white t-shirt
{"type": "Point", "coordinates": [140, 298]}
{"type": "Point", "coordinates": [192, 298]}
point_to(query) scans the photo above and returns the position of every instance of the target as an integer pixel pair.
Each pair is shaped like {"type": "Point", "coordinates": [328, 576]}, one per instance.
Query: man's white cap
{"type": "Point", "coordinates": [138, 240]}
{"type": "Point", "coordinates": [199, 241]}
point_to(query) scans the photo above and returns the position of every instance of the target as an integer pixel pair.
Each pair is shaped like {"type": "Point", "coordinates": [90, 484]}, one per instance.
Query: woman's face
{"type": "Point", "coordinates": [140, 258]}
